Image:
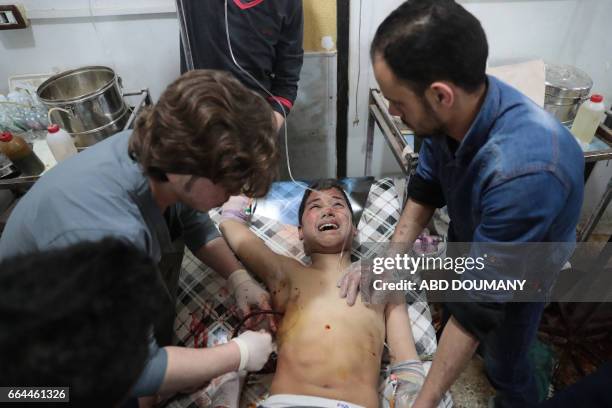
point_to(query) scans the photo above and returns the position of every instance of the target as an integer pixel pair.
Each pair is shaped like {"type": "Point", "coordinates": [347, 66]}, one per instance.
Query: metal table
{"type": "Point", "coordinates": [407, 155]}
{"type": "Point", "coordinates": [397, 139]}
{"type": "Point", "coordinates": [22, 183]}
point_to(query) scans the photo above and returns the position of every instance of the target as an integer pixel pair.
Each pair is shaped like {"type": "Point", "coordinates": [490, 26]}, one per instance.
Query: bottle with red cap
{"type": "Point", "coordinates": [589, 116]}
{"type": "Point", "coordinates": [60, 143]}
{"type": "Point", "coordinates": [21, 154]}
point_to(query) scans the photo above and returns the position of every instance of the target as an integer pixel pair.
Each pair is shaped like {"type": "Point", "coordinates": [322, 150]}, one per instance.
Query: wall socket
{"type": "Point", "coordinates": [12, 17]}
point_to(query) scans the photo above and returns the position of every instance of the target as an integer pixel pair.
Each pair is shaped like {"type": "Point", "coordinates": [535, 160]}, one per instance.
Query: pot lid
{"type": "Point", "coordinates": [566, 81]}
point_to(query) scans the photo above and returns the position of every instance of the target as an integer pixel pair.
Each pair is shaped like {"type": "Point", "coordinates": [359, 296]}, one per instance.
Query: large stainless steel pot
{"type": "Point", "coordinates": [566, 88]}
{"type": "Point", "coordinates": [89, 101]}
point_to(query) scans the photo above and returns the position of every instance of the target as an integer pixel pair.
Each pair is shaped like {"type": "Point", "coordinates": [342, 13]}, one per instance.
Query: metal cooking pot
{"type": "Point", "coordinates": [566, 88]}
{"type": "Point", "coordinates": [89, 103]}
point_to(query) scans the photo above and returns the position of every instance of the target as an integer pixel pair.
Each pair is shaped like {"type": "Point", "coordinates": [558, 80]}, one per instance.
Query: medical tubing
{"type": "Point", "coordinates": [248, 316]}
{"type": "Point", "coordinates": [263, 88]}
{"type": "Point", "coordinates": [54, 109]}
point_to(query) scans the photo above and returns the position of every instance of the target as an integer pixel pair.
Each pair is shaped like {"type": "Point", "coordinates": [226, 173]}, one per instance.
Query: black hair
{"type": "Point", "coordinates": [321, 185]}
{"type": "Point", "coordinates": [78, 317]}
{"type": "Point", "coordinates": [424, 41]}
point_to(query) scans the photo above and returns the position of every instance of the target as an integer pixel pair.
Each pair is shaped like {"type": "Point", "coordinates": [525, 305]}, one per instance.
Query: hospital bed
{"type": "Point", "coordinates": [206, 313]}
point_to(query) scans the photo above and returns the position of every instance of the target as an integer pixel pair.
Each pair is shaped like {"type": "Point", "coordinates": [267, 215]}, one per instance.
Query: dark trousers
{"type": "Point", "coordinates": [170, 269]}
{"type": "Point", "coordinates": [506, 355]}
{"type": "Point", "coordinates": [505, 351]}
{"type": "Point", "coordinates": [591, 391]}
{"type": "Point", "coordinates": [130, 403]}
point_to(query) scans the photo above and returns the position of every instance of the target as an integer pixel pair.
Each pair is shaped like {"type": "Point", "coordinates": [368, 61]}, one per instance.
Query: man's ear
{"type": "Point", "coordinates": [440, 94]}
{"type": "Point", "coordinates": [300, 233]}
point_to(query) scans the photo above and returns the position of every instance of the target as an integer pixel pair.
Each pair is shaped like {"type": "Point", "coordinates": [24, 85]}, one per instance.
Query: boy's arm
{"type": "Point", "coordinates": [406, 373]}
{"type": "Point", "coordinates": [399, 333]}
{"type": "Point", "coordinates": [254, 253]}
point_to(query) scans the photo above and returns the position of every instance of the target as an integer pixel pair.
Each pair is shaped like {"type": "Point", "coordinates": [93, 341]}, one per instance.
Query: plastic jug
{"type": "Point", "coordinates": [589, 116]}
{"type": "Point", "coordinates": [60, 143]}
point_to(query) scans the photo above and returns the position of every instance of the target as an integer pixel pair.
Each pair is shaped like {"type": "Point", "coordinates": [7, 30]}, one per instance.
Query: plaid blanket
{"type": "Point", "coordinates": [206, 314]}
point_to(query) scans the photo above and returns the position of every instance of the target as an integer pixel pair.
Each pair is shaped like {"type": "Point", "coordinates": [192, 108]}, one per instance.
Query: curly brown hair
{"type": "Point", "coordinates": [208, 124]}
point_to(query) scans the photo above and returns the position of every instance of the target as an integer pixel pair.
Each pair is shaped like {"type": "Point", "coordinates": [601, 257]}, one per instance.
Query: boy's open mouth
{"type": "Point", "coordinates": [328, 226]}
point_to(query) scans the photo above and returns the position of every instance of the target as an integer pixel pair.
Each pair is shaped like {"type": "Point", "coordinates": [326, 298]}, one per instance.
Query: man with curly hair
{"type": "Point", "coordinates": [207, 138]}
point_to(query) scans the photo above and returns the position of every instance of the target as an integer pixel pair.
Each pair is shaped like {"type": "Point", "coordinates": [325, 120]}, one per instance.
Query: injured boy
{"type": "Point", "coordinates": [329, 354]}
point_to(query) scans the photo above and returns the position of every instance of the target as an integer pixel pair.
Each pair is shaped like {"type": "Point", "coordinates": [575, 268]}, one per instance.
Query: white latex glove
{"type": "Point", "coordinates": [349, 283]}
{"type": "Point", "coordinates": [250, 296]}
{"type": "Point", "coordinates": [255, 349]}
{"type": "Point", "coordinates": [236, 208]}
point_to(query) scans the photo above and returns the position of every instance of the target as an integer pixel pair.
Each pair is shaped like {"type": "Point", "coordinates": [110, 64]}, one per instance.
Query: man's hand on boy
{"type": "Point", "coordinates": [237, 208]}
{"type": "Point", "coordinates": [255, 349]}
{"type": "Point", "coordinates": [349, 283]}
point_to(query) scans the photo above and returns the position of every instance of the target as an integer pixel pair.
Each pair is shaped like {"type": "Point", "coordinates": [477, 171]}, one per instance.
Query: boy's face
{"type": "Point", "coordinates": [326, 223]}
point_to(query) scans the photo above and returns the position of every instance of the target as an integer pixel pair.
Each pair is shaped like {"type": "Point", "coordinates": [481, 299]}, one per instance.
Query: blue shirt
{"type": "Point", "coordinates": [517, 176]}
{"type": "Point", "coordinates": [98, 193]}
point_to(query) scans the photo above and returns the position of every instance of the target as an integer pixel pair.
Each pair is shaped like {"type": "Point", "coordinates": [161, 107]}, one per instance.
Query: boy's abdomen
{"type": "Point", "coordinates": [330, 350]}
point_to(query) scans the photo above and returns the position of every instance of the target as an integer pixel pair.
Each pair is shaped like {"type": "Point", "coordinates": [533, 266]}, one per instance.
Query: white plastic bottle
{"type": "Point", "coordinates": [60, 143]}
{"type": "Point", "coordinates": [589, 116]}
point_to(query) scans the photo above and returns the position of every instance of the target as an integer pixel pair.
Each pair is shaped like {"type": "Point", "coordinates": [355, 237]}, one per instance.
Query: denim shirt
{"type": "Point", "coordinates": [517, 176]}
